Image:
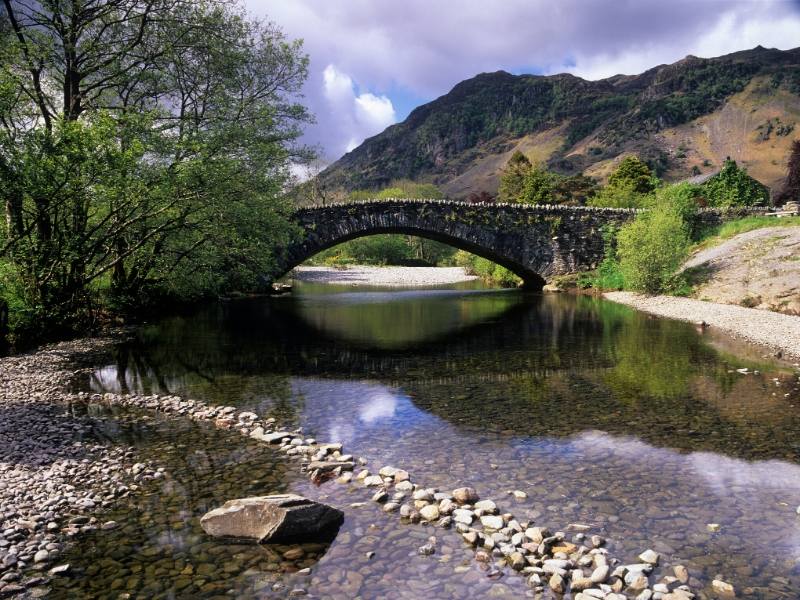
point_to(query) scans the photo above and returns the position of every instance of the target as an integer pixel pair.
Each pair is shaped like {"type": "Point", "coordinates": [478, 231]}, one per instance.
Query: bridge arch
{"type": "Point", "coordinates": [536, 242]}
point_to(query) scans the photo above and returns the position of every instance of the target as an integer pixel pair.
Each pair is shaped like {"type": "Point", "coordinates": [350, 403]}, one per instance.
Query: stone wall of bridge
{"type": "Point", "coordinates": [536, 242]}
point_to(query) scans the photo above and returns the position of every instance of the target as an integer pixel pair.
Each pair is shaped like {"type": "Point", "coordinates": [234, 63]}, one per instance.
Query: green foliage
{"type": "Point", "coordinates": [620, 196]}
{"type": "Point", "coordinates": [175, 190]}
{"type": "Point", "coordinates": [403, 188]}
{"type": "Point", "coordinates": [538, 186]}
{"type": "Point", "coordinates": [512, 180]}
{"type": "Point", "coordinates": [577, 190]}
{"type": "Point", "coordinates": [487, 270]}
{"type": "Point", "coordinates": [732, 186]}
{"type": "Point", "coordinates": [683, 199]}
{"type": "Point", "coordinates": [652, 248]}
{"type": "Point", "coordinates": [634, 174]}
{"type": "Point", "coordinates": [524, 182]}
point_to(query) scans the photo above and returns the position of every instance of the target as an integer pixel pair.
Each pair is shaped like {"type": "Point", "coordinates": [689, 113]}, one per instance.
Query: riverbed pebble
{"type": "Point", "coordinates": [99, 475]}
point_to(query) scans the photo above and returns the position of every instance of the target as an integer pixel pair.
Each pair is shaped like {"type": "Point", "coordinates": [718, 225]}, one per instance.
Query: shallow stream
{"type": "Point", "coordinates": [640, 427]}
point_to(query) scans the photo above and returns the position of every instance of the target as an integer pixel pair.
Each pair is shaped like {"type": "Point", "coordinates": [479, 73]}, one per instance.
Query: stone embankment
{"type": "Point", "coordinates": [51, 483]}
{"type": "Point", "coordinates": [778, 332]}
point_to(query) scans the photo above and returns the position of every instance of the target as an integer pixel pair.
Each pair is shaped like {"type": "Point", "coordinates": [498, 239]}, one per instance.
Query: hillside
{"type": "Point", "coordinates": [681, 118]}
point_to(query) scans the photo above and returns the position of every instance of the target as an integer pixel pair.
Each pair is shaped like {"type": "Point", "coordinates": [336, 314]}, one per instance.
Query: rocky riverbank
{"type": "Point", "coordinates": [779, 333]}
{"type": "Point", "coordinates": [55, 476]}
{"type": "Point", "coordinates": [383, 276]}
{"type": "Point", "coordinates": [56, 483]}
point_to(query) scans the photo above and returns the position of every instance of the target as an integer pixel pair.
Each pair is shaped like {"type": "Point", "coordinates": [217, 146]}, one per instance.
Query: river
{"type": "Point", "coordinates": [640, 427]}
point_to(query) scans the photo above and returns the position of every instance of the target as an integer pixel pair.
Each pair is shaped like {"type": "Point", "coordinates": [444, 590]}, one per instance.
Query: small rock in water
{"type": "Point", "coordinates": [649, 556]}
{"type": "Point", "coordinates": [465, 495]}
{"type": "Point", "coordinates": [427, 549]}
{"type": "Point", "coordinates": [262, 518]}
{"type": "Point", "coordinates": [722, 587]}
{"type": "Point", "coordinates": [59, 570]}
{"type": "Point", "coordinates": [557, 583]}
{"type": "Point", "coordinates": [429, 512]}
{"type": "Point", "coordinates": [492, 521]}
{"type": "Point", "coordinates": [681, 573]}
{"type": "Point", "coordinates": [713, 527]}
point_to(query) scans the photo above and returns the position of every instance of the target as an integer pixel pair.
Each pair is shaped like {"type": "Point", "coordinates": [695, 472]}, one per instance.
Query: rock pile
{"type": "Point", "coordinates": [579, 565]}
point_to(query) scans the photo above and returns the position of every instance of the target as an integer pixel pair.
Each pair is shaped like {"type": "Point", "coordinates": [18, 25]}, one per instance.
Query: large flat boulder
{"type": "Point", "coordinates": [281, 517]}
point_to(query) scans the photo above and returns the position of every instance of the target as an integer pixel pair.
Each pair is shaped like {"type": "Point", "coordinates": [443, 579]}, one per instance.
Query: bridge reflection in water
{"type": "Point", "coordinates": [526, 364]}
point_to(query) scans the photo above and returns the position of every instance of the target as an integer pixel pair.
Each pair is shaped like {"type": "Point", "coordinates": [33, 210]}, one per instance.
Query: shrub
{"type": "Point", "coordinates": [486, 269]}
{"type": "Point", "coordinates": [633, 173]}
{"type": "Point", "coordinates": [732, 186]}
{"type": "Point", "coordinates": [620, 196]}
{"type": "Point", "coordinates": [652, 248]}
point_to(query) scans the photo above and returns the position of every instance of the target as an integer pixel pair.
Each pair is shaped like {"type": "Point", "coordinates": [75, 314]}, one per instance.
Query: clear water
{"type": "Point", "coordinates": [637, 426]}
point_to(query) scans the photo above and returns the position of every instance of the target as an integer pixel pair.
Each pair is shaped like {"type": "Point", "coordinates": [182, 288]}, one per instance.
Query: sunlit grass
{"type": "Point", "coordinates": [730, 229]}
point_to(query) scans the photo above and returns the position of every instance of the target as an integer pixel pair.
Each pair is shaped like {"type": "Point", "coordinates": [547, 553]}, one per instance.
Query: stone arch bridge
{"type": "Point", "coordinates": [536, 242]}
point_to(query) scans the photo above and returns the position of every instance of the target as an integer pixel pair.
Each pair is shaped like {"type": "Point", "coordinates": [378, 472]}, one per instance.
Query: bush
{"type": "Point", "coordinates": [732, 186]}
{"type": "Point", "coordinates": [620, 196]}
{"type": "Point", "coordinates": [486, 269]}
{"type": "Point", "coordinates": [652, 248]}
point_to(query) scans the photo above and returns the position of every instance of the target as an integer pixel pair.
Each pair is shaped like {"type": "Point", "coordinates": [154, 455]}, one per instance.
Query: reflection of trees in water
{"type": "Point", "coordinates": [658, 381]}
{"type": "Point", "coordinates": [543, 365]}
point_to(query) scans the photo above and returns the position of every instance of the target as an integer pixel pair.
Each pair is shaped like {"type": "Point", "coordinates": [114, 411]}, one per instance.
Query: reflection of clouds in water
{"type": "Point", "coordinates": [379, 405]}
{"type": "Point", "coordinates": [342, 410]}
{"type": "Point", "coordinates": [719, 473]}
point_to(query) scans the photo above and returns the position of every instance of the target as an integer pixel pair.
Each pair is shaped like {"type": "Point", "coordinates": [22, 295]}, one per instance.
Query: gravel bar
{"type": "Point", "coordinates": [779, 332]}
{"type": "Point", "coordinates": [383, 276]}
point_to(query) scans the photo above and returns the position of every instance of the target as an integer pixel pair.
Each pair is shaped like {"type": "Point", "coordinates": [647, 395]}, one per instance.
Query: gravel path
{"type": "Point", "coordinates": [776, 331]}
{"type": "Point", "coordinates": [383, 276]}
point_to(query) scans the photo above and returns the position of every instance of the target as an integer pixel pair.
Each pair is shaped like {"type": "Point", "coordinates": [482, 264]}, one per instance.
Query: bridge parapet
{"type": "Point", "coordinates": [534, 241]}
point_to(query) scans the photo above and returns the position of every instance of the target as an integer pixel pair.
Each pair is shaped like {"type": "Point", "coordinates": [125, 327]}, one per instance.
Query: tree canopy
{"type": "Point", "coordinates": [144, 151]}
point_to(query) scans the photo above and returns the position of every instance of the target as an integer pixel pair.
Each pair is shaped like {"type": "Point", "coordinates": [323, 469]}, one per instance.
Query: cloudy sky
{"type": "Point", "coordinates": [373, 61]}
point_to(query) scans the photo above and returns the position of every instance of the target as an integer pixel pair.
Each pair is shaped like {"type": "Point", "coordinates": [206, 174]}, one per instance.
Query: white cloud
{"type": "Point", "coordinates": [358, 116]}
{"type": "Point", "coordinates": [376, 111]}
{"type": "Point", "coordinates": [733, 31]}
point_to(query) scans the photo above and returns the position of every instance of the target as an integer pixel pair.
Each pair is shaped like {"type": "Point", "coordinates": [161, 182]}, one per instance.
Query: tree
{"type": "Point", "coordinates": [537, 186]}
{"type": "Point", "coordinates": [512, 179]}
{"type": "Point", "coordinates": [791, 185]}
{"type": "Point", "coordinates": [144, 148]}
{"type": "Point", "coordinates": [633, 174]}
{"type": "Point", "coordinates": [732, 186]}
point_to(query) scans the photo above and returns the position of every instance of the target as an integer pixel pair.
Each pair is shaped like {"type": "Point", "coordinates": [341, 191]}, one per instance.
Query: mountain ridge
{"type": "Point", "coordinates": [675, 116]}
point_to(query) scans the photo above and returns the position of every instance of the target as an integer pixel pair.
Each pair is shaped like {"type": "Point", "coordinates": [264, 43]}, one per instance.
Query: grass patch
{"type": "Point", "coordinates": [717, 235]}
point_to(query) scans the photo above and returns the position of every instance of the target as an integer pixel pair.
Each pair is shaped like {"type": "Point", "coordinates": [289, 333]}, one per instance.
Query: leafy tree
{"type": "Point", "coordinates": [634, 174]}
{"type": "Point", "coordinates": [732, 186]}
{"type": "Point", "coordinates": [651, 249]}
{"type": "Point", "coordinates": [791, 186]}
{"type": "Point", "coordinates": [683, 199]}
{"type": "Point", "coordinates": [623, 195]}
{"type": "Point", "coordinates": [144, 149]}
{"type": "Point", "coordinates": [512, 179]}
{"type": "Point", "coordinates": [537, 187]}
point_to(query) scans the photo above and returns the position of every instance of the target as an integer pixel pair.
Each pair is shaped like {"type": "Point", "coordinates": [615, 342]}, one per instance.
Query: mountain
{"type": "Point", "coordinates": [683, 119]}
